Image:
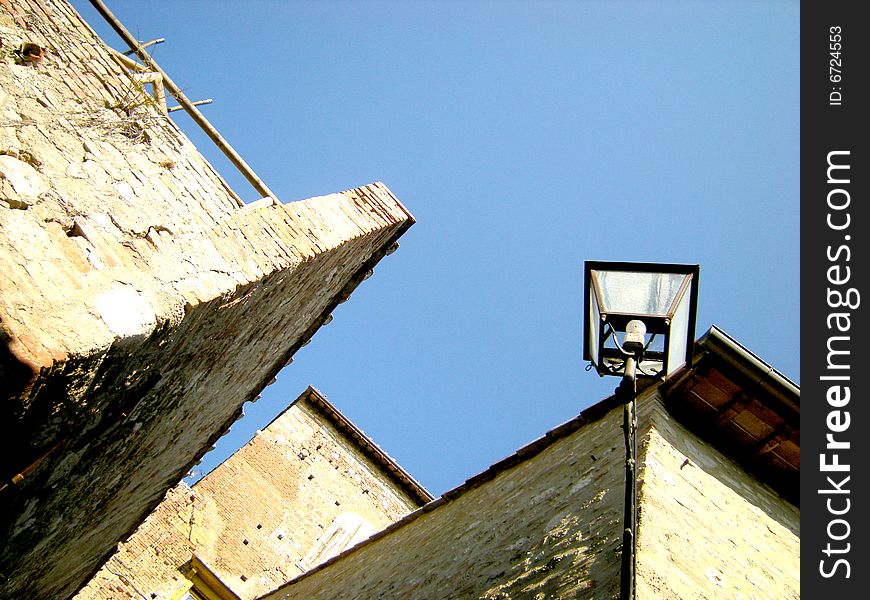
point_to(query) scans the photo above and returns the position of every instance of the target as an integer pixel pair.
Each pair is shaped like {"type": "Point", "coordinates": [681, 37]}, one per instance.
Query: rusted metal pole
{"type": "Point", "coordinates": [188, 106]}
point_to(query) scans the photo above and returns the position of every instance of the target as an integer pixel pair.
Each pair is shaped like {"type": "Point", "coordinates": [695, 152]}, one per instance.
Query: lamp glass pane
{"type": "Point", "coordinates": [677, 342]}
{"type": "Point", "coordinates": [638, 293]}
{"type": "Point", "coordinates": [594, 327]}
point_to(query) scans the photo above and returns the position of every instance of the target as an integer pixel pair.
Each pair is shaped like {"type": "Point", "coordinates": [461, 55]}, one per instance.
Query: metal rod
{"type": "Point", "coordinates": [628, 389]}
{"type": "Point", "coordinates": [19, 477]}
{"type": "Point", "coordinates": [188, 106]}
{"type": "Point", "coordinates": [145, 45]}
{"type": "Point", "coordinates": [197, 103]}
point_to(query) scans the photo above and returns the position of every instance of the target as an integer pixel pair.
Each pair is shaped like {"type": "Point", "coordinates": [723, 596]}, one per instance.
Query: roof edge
{"type": "Point", "coordinates": [410, 485]}
{"type": "Point", "coordinates": [749, 365]}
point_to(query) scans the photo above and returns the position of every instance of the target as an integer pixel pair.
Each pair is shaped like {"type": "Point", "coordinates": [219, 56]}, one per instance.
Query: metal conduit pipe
{"type": "Point", "coordinates": [185, 103]}
{"type": "Point", "coordinates": [628, 391]}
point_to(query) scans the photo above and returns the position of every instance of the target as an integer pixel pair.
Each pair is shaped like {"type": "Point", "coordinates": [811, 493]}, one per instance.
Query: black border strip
{"type": "Point", "coordinates": [834, 228]}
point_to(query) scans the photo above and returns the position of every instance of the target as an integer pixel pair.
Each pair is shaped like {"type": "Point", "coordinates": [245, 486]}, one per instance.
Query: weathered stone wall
{"type": "Point", "coordinates": [707, 528]}
{"type": "Point", "coordinates": [134, 292]}
{"type": "Point", "coordinates": [147, 562]}
{"type": "Point", "coordinates": [548, 524]}
{"type": "Point", "coordinates": [545, 524]}
{"type": "Point", "coordinates": [255, 517]}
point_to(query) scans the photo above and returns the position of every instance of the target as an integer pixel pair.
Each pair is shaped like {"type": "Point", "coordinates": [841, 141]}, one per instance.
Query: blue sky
{"type": "Point", "coordinates": [525, 137]}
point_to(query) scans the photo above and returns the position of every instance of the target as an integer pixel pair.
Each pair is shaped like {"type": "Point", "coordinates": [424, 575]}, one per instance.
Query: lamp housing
{"type": "Point", "coordinates": [663, 297]}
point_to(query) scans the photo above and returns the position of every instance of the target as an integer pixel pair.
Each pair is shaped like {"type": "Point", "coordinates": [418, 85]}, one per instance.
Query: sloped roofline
{"type": "Point", "coordinates": [364, 443]}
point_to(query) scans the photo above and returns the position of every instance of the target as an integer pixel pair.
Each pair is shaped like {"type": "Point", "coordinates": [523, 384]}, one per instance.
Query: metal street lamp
{"type": "Point", "coordinates": [633, 301]}
{"type": "Point", "coordinates": [640, 322]}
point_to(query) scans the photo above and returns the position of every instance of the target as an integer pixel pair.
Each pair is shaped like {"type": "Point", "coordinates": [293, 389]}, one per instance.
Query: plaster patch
{"type": "Point", "coordinates": [125, 311]}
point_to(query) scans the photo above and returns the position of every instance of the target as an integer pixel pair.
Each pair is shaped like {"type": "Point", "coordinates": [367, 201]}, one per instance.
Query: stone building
{"type": "Point", "coordinates": [306, 487]}
{"type": "Point", "coordinates": [135, 287]}
{"type": "Point", "coordinates": [718, 486]}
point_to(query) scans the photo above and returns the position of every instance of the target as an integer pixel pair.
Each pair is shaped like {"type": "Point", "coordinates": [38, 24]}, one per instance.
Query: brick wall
{"type": "Point", "coordinates": [254, 518]}
{"type": "Point", "coordinates": [148, 561]}
{"type": "Point", "coordinates": [134, 290]}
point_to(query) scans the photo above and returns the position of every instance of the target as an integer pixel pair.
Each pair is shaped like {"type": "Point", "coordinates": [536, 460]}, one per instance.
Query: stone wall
{"type": "Point", "coordinates": [707, 528]}
{"type": "Point", "coordinates": [545, 523]}
{"type": "Point", "coordinates": [134, 291]}
{"type": "Point", "coordinates": [256, 517]}
{"type": "Point", "coordinates": [147, 562]}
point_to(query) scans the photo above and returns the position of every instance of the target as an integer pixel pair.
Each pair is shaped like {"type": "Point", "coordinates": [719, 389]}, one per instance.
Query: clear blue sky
{"type": "Point", "coordinates": [525, 137]}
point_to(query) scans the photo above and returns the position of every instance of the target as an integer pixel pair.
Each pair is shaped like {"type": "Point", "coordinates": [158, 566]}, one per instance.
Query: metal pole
{"type": "Point", "coordinates": [628, 390]}
{"type": "Point", "coordinates": [188, 106]}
